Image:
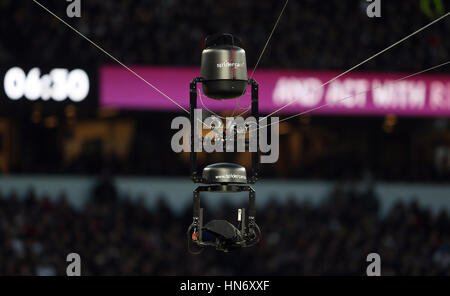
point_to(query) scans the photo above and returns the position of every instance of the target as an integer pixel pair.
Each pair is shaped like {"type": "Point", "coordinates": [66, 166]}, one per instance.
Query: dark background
{"type": "Point", "coordinates": [121, 237]}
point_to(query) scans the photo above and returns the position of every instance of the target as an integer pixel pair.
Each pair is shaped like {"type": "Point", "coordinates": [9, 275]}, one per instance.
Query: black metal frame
{"type": "Point", "coordinates": [247, 229]}
{"type": "Point", "coordinates": [224, 188]}
{"type": "Point", "coordinates": [250, 230]}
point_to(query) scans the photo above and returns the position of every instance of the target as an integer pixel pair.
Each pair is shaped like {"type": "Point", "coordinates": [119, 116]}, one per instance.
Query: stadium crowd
{"type": "Point", "coordinates": [115, 236]}
{"type": "Point", "coordinates": [335, 35]}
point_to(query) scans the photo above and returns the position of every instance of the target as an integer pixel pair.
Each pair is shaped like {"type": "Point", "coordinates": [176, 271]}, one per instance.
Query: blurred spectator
{"type": "Point", "coordinates": [120, 237]}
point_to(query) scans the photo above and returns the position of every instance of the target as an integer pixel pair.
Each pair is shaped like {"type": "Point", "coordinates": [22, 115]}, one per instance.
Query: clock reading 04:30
{"type": "Point", "coordinates": [58, 85]}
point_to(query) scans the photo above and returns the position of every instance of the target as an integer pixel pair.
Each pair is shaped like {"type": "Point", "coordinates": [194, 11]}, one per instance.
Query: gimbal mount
{"type": "Point", "coordinates": [223, 177]}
